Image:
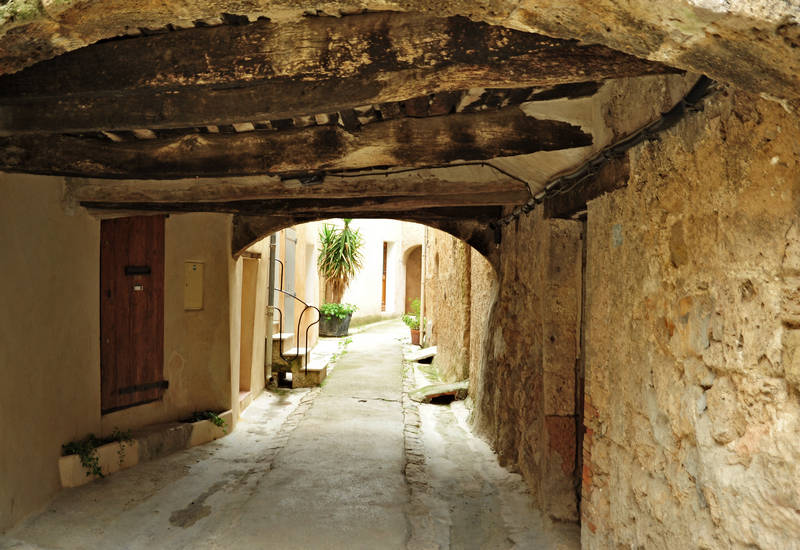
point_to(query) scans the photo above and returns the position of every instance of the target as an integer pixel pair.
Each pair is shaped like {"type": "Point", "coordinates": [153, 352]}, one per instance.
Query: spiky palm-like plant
{"type": "Point", "coordinates": [340, 258]}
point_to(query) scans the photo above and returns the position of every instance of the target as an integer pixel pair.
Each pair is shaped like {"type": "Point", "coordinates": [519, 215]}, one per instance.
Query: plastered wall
{"type": "Point", "coordinates": [197, 358]}
{"type": "Point", "coordinates": [49, 338]}
{"type": "Point", "coordinates": [49, 334]}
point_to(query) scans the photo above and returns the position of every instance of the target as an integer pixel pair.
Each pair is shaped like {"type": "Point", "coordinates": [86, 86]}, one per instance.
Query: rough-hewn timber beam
{"type": "Point", "coordinates": [400, 142]}
{"type": "Point", "coordinates": [325, 207]}
{"type": "Point", "coordinates": [443, 182]}
{"type": "Point", "coordinates": [468, 224]}
{"type": "Point", "coordinates": [266, 71]}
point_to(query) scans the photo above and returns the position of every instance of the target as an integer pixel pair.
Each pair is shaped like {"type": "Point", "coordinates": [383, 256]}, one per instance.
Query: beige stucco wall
{"type": "Point", "coordinates": [262, 324]}
{"type": "Point", "coordinates": [365, 289]}
{"type": "Point", "coordinates": [49, 334]}
{"type": "Point", "coordinates": [49, 338]}
{"type": "Point", "coordinates": [306, 288]}
{"type": "Point", "coordinates": [197, 361]}
{"type": "Point", "coordinates": [413, 275]}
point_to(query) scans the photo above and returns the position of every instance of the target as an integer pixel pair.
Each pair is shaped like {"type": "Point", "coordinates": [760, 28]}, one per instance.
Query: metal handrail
{"type": "Point", "coordinates": [299, 323]}
{"type": "Point", "coordinates": [280, 262]}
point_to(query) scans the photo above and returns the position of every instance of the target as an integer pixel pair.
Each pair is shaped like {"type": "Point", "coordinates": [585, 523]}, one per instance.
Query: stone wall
{"type": "Point", "coordinates": [691, 330]}
{"type": "Point", "coordinates": [692, 369]}
{"type": "Point", "coordinates": [459, 291]}
{"type": "Point", "coordinates": [483, 289]}
{"type": "Point", "coordinates": [447, 303]}
{"type": "Point", "coordinates": [525, 391]}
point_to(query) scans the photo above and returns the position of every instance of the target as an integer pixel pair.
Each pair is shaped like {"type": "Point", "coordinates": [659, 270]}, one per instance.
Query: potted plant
{"type": "Point", "coordinates": [335, 320]}
{"type": "Point", "coordinates": [413, 321]}
{"type": "Point", "coordinates": [340, 258]}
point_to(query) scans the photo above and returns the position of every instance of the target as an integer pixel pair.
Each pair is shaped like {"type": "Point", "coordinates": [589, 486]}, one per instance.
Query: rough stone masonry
{"type": "Point", "coordinates": [691, 332]}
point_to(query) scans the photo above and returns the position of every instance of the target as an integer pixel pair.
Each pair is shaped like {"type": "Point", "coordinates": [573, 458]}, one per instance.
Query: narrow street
{"type": "Point", "coordinates": [353, 464]}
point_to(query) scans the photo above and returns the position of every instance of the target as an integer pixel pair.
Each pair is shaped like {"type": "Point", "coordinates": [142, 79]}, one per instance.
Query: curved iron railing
{"type": "Point", "coordinates": [299, 320]}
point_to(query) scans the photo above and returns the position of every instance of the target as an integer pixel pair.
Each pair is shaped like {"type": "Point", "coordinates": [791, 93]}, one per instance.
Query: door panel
{"type": "Point", "coordinates": [131, 311]}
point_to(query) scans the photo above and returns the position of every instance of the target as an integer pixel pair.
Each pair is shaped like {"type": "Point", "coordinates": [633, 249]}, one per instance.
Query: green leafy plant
{"type": "Point", "coordinates": [337, 310]}
{"type": "Point", "coordinates": [211, 416]}
{"type": "Point", "coordinates": [413, 319]}
{"type": "Point", "coordinates": [125, 438]}
{"type": "Point", "coordinates": [86, 449]}
{"type": "Point", "coordinates": [340, 258]}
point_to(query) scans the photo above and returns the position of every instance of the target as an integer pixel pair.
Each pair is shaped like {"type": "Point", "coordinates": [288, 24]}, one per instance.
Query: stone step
{"type": "Point", "coordinates": [421, 354]}
{"type": "Point", "coordinates": [291, 358]}
{"type": "Point", "coordinates": [428, 394]}
{"type": "Point", "coordinates": [294, 352]}
{"type": "Point", "coordinates": [303, 377]}
{"type": "Point", "coordinates": [281, 339]}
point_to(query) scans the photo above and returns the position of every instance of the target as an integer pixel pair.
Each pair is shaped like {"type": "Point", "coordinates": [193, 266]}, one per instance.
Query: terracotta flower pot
{"type": "Point", "coordinates": [415, 337]}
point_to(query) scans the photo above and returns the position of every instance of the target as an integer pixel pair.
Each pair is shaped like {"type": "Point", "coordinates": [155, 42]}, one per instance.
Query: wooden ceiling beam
{"type": "Point", "coordinates": [468, 224]}
{"type": "Point", "coordinates": [267, 71]}
{"type": "Point", "coordinates": [444, 182]}
{"type": "Point", "coordinates": [409, 142]}
{"type": "Point", "coordinates": [327, 207]}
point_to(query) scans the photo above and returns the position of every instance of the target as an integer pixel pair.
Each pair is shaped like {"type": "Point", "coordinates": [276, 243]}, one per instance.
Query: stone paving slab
{"type": "Point", "coordinates": [354, 464]}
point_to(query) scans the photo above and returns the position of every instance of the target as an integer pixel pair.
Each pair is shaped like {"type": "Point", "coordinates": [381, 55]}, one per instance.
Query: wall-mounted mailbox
{"type": "Point", "coordinates": [193, 285]}
{"type": "Point", "coordinates": [137, 270]}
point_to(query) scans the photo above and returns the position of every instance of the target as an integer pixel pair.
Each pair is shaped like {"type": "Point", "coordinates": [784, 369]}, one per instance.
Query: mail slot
{"type": "Point", "coordinates": [137, 270]}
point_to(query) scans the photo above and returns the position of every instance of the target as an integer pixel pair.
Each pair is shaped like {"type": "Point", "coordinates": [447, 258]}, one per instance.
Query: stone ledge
{"type": "Point", "coordinates": [147, 444]}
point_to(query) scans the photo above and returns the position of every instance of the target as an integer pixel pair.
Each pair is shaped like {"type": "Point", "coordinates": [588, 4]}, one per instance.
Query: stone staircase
{"type": "Point", "coordinates": [293, 360]}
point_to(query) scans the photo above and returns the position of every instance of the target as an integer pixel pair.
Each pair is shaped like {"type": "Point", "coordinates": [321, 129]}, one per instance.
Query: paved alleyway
{"type": "Point", "coordinates": [351, 465]}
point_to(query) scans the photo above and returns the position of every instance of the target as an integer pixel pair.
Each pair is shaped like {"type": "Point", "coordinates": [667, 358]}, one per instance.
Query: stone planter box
{"type": "Point", "coordinates": [149, 443]}
{"type": "Point", "coordinates": [73, 473]}
{"type": "Point", "coordinates": [205, 430]}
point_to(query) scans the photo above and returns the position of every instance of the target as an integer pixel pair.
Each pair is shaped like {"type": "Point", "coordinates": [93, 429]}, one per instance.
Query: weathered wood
{"type": "Point", "coordinates": [266, 71]}
{"type": "Point", "coordinates": [468, 224]}
{"type": "Point", "coordinates": [131, 311]}
{"type": "Point", "coordinates": [443, 182]}
{"type": "Point", "coordinates": [327, 206]}
{"type": "Point", "coordinates": [610, 176]}
{"type": "Point", "coordinates": [400, 142]}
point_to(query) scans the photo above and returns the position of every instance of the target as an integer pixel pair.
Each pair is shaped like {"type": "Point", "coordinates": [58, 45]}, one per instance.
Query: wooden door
{"type": "Point", "coordinates": [131, 311]}
{"type": "Point", "coordinates": [248, 321]}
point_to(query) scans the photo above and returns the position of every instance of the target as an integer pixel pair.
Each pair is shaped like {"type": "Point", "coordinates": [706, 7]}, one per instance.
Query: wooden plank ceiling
{"type": "Point", "coordinates": [312, 100]}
